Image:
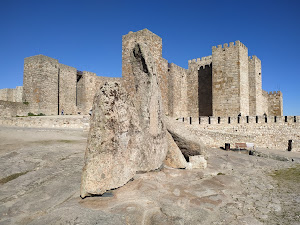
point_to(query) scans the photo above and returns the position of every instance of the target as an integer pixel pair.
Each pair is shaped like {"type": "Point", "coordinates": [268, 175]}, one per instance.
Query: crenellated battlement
{"type": "Point", "coordinates": [204, 67]}
{"type": "Point", "coordinates": [241, 120]}
{"type": "Point", "coordinates": [275, 93]}
{"type": "Point", "coordinates": [231, 45]}
{"type": "Point", "coordinates": [273, 132]}
{"type": "Point", "coordinates": [253, 59]}
{"type": "Point", "coordinates": [200, 62]}
{"type": "Point", "coordinates": [225, 83]}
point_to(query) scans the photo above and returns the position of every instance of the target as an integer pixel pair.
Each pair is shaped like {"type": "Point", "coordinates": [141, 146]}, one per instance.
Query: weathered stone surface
{"type": "Point", "coordinates": [49, 163]}
{"type": "Point", "coordinates": [127, 132]}
{"type": "Point", "coordinates": [174, 157]}
{"type": "Point", "coordinates": [148, 102]}
{"type": "Point", "coordinates": [113, 142]}
{"type": "Point", "coordinates": [189, 143]}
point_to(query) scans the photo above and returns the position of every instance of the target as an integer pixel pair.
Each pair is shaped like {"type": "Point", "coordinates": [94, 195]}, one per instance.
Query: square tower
{"type": "Point", "coordinates": [230, 84]}
{"type": "Point", "coordinates": [255, 87]}
{"type": "Point", "coordinates": [40, 84]}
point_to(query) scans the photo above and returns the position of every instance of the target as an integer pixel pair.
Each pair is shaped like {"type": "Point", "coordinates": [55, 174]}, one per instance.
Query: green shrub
{"type": "Point", "coordinates": [41, 114]}
{"type": "Point", "coordinates": [31, 114]}
{"type": "Point", "coordinates": [26, 103]}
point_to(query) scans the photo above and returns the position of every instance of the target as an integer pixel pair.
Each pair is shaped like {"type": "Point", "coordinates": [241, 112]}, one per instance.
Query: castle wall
{"type": "Point", "coordinates": [265, 101]}
{"type": "Point", "coordinates": [61, 122]}
{"type": "Point", "coordinates": [10, 95]}
{"type": "Point", "coordinates": [18, 93]}
{"type": "Point", "coordinates": [67, 89]}
{"type": "Point", "coordinates": [263, 132]}
{"type": "Point", "coordinates": [13, 95]}
{"type": "Point", "coordinates": [87, 87]}
{"type": "Point", "coordinates": [9, 109]}
{"type": "Point", "coordinates": [230, 79]}
{"type": "Point", "coordinates": [100, 81]}
{"type": "Point", "coordinates": [178, 101]}
{"type": "Point", "coordinates": [3, 94]}
{"type": "Point", "coordinates": [86, 92]}
{"type": "Point", "coordinates": [255, 87]}
{"type": "Point", "coordinates": [275, 105]}
{"type": "Point", "coordinates": [192, 90]}
{"type": "Point", "coordinates": [154, 43]}
{"type": "Point", "coordinates": [40, 84]}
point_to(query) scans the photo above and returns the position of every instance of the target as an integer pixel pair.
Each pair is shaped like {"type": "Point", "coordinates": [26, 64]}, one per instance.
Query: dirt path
{"type": "Point", "coordinates": [40, 179]}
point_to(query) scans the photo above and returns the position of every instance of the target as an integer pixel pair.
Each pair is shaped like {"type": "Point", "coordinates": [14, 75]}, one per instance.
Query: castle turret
{"type": "Point", "coordinates": [40, 84]}
{"type": "Point", "coordinates": [230, 85]}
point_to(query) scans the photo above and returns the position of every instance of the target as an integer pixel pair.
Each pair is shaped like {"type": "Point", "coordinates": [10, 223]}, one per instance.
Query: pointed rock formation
{"type": "Point", "coordinates": [113, 142]}
{"type": "Point", "coordinates": [148, 102]}
{"type": "Point", "coordinates": [127, 132]}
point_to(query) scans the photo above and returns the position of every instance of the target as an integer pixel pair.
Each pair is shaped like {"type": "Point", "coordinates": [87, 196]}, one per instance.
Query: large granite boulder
{"type": "Point", "coordinates": [113, 142]}
{"type": "Point", "coordinates": [188, 143]}
{"type": "Point", "coordinates": [148, 102]}
{"type": "Point", "coordinates": [127, 132]}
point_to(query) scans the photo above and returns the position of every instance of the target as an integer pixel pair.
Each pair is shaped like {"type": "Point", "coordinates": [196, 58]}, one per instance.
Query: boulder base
{"type": "Point", "coordinates": [174, 157]}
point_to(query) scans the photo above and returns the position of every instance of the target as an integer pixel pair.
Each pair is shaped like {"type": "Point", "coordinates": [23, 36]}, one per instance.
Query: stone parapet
{"type": "Point", "coordinates": [264, 132]}
{"type": "Point", "coordinates": [66, 122]}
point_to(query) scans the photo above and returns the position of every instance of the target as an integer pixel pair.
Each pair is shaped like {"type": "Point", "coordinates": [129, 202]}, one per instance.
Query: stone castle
{"type": "Point", "coordinates": [227, 83]}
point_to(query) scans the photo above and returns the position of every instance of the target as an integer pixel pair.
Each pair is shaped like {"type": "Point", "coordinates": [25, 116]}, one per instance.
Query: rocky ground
{"type": "Point", "coordinates": [40, 173]}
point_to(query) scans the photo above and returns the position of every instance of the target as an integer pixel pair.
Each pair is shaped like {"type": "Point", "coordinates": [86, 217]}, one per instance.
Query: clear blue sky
{"type": "Point", "coordinates": [88, 35]}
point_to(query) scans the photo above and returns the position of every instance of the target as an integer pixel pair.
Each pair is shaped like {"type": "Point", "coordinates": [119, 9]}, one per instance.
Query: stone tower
{"type": "Point", "coordinates": [255, 87]}
{"type": "Point", "coordinates": [40, 84]}
{"type": "Point", "coordinates": [230, 84]}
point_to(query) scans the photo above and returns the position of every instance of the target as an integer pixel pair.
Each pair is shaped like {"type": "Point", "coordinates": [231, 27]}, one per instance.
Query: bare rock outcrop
{"type": "Point", "coordinates": [188, 143]}
{"type": "Point", "coordinates": [148, 102]}
{"type": "Point", "coordinates": [174, 158]}
{"type": "Point", "coordinates": [127, 132]}
{"type": "Point", "coordinates": [113, 142]}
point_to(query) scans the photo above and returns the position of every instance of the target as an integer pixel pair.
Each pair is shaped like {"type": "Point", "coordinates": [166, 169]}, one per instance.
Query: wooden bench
{"type": "Point", "coordinates": [244, 145]}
